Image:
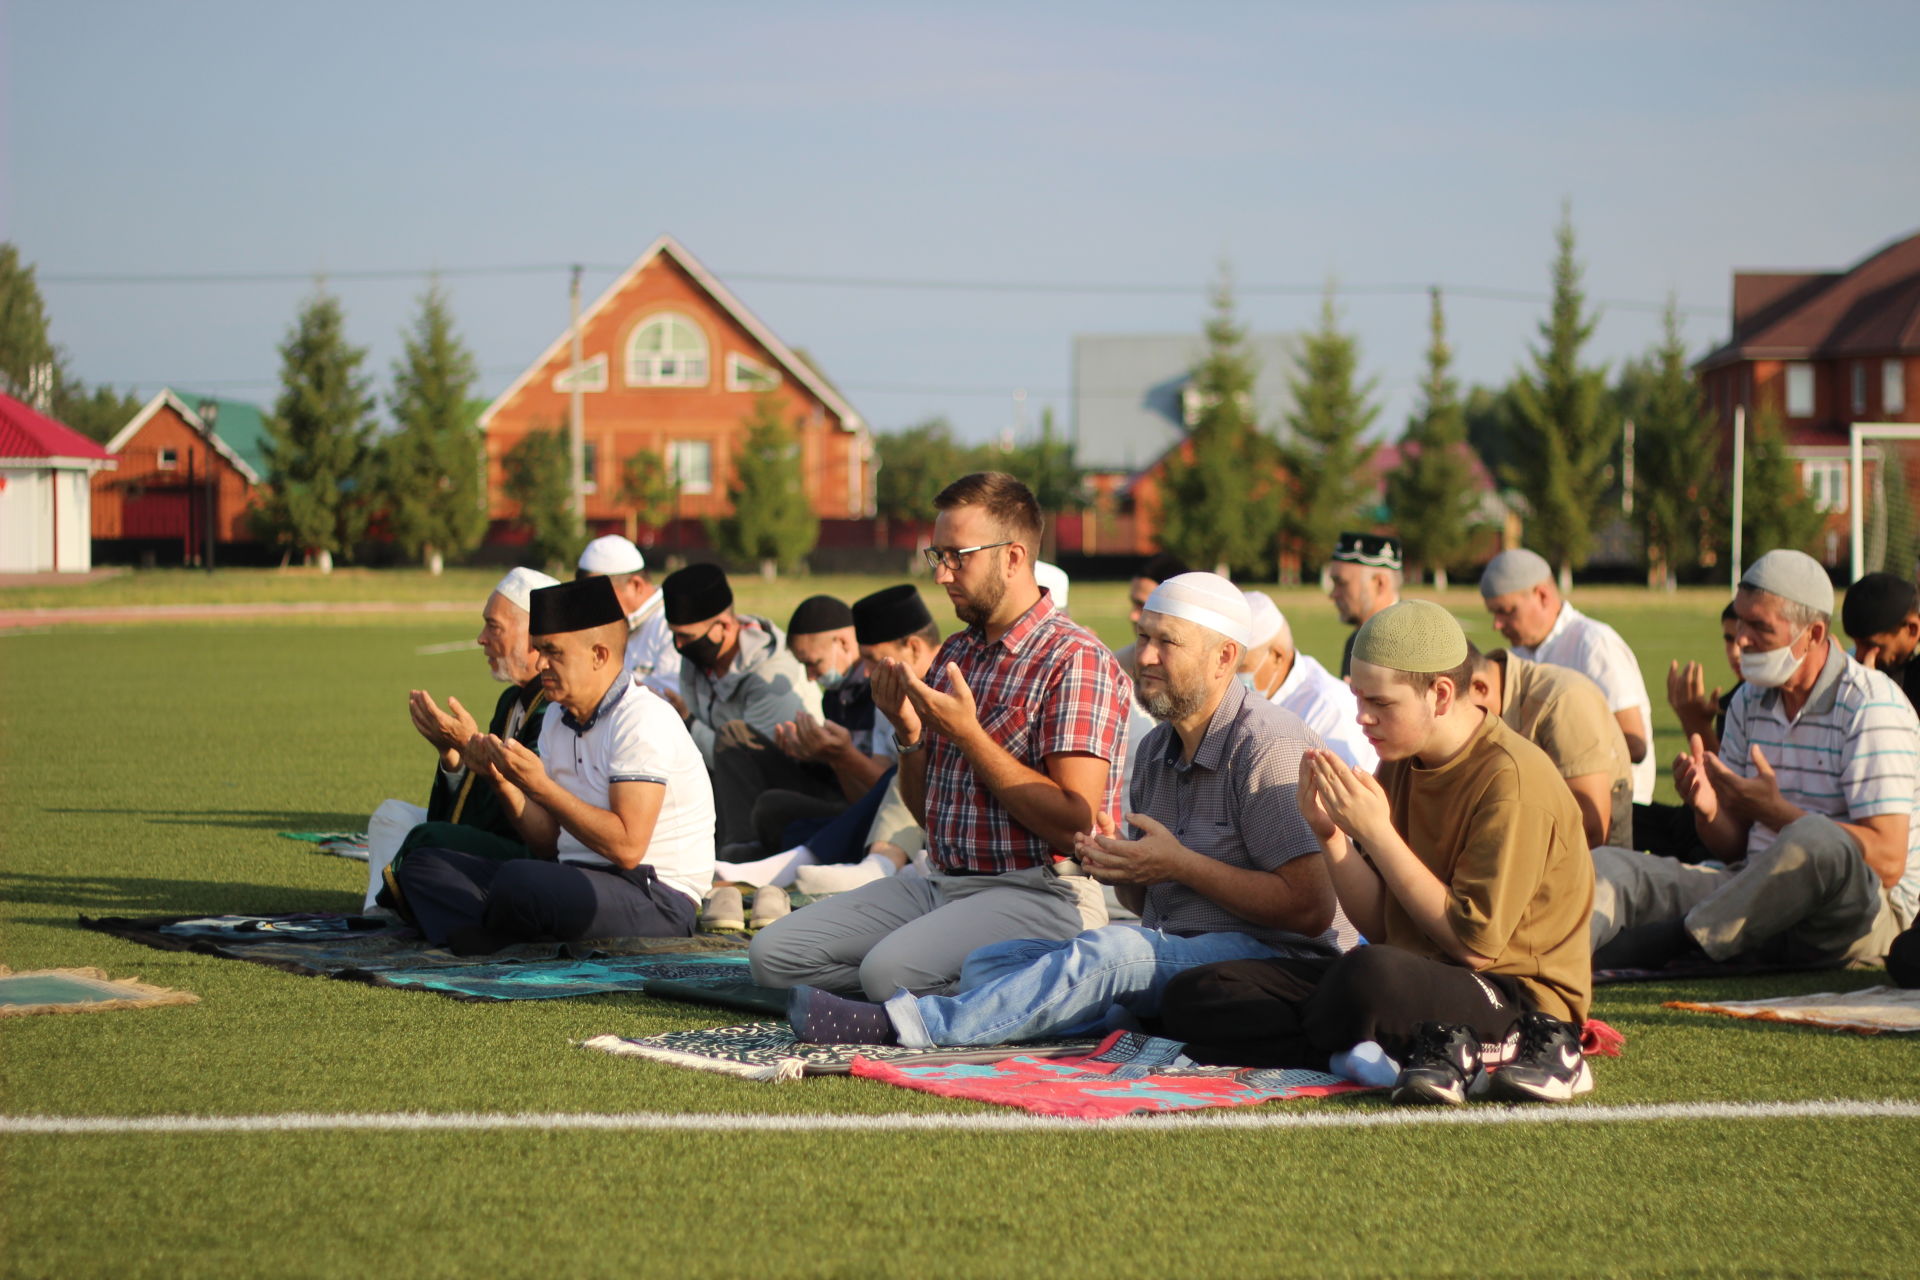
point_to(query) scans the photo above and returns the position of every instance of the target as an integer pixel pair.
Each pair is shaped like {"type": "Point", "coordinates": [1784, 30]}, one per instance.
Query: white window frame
{"type": "Point", "coordinates": [1825, 481]}
{"type": "Point", "coordinates": [1893, 386]}
{"type": "Point", "coordinates": [742, 372]}
{"type": "Point", "coordinates": [589, 466]}
{"type": "Point", "coordinates": [678, 452]}
{"type": "Point", "coordinates": [675, 367]}
{"type": "Point", "coordinates": [1857, 379]}
{"type": "Point", "coordinates": [168, 459]}
{"type": "Point", "coordinates": [1800, 395]}
{"type": "Point", "coordinates": [593, 375]}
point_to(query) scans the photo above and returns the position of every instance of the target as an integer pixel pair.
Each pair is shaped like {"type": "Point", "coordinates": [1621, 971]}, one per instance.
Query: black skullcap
{"type": "Point", "coordinates": [889, 614]}
{"type": "Point", "coordinates": [1160, 566]}
{"type": "Point", "coordinates": [1877, 604]}
{"type": "Point", "coordinates": [1375, 550]}
{"type": "Point", "coordinates": [819, 613]}
{"type": "Point", "coordinates": [696, 593]}
{"type": "Point", "coordinates": [573, 606]}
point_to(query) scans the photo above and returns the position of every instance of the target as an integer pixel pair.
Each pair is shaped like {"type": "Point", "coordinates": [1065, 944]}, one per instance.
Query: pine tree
{"type": "Point", "coordinates": [1777, 512]}
{"type": "Point", "coordinates": [1565, 433]}
{"type": "Point", "coordinates": [538, 480]}
{"type": "Point", "coordinates": [773, 521]}
{"type": "Point", "coordinates": [1216, 491]}
{"type": "Point", "coordinates": [1325, 457]}
{"type": "Point", "coordinates": [1675, 490]}
{"type": "Point", "coordinates": [319, 480]}
{"type": "Point", "coordinates": [1431, 493]}
{"type": "Point", "coordinates": [430, 465]}
{"type": "Point", "coordinates": [651, 492]}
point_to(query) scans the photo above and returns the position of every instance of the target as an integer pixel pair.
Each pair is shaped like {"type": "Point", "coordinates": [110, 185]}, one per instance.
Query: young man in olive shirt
{"type": "Point", "coordinates": [1464, 863]}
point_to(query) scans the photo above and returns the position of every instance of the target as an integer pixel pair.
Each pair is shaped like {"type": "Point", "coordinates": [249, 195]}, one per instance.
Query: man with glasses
{"type": "Point", "coordinates": [1008, 749]}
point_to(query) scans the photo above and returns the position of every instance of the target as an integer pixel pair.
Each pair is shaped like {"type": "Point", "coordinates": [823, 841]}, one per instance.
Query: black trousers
{"type": "Point", "coordinates": [1667, 830]}
{"type": "Point", "coordinates": [1299, 1012]}
{"type": "Point", "coordinates": [532, 900]}
{"type": "Point", "coordinates": [746, 765]}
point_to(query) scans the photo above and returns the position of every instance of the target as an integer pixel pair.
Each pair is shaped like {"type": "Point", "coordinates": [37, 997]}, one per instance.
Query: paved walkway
{"type": "Point", "coordinates": [15, 619]}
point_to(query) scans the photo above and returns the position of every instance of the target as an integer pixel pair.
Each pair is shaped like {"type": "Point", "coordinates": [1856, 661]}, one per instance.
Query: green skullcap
{"type": "Point", "coordinates": [1414, 635]}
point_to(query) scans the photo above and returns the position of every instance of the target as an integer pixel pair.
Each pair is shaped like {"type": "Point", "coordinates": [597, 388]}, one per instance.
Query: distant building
{"type": "Point", "coordinates": [156, 506]}
{"type": "Point", "coordinates": [44, 494]}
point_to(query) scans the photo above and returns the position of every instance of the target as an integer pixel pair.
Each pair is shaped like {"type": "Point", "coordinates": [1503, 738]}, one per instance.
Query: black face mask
{"type": "Point", "coordinates": [703, 651]}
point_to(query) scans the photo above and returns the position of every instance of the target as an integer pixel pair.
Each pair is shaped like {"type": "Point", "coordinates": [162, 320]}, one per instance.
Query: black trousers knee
{"type": "Point", "coordinates": [530, 900]}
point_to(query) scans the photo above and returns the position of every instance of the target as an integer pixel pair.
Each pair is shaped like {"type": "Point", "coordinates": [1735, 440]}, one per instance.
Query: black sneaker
{"type": "Point", "coordinates": [1544, 1063]}
{"type": "Point", "coordinates": [1440, 1067]}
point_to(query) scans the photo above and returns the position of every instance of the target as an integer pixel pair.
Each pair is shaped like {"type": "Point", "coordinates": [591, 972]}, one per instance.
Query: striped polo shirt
{"type": "Point", "coordinates": [1853, 752]}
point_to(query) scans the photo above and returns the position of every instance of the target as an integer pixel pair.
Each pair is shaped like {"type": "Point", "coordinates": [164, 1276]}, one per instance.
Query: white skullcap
{"type": "Point", "coordinates": [519, 584]}
{"type": "Point", "coordinates": [1054, 579]}
{"type": "Point", "coordinates": [1512, 571]}
{"type": "Point", "coordinates": [1264, 616]}
{"type": "Point", "coordinates": [1792, 575]}
{"type": "Point", "coordinates": [610, 555]}
{"type": "Point", "coordinates": [1208, 600]}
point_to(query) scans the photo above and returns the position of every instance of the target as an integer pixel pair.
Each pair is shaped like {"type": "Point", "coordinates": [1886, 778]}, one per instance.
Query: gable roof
{"type": "Point", "coordinates": [795, 365]}
{"type": "Point", "coordinates": [1873, 309]}
{"type": "Point", "coordinates": [241, 428]}
{"type": "Point", "coordinates": [26, 433]}
{"type": "Point", "coordinates": [1128, 406]}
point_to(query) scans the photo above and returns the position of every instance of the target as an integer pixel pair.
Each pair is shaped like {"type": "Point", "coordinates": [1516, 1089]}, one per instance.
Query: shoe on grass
{"type": "Point", "coordinates": [1544, 1063]}
{"type": "Point", "coordinates": [820, 1017]}
{"type": "Point", "coordinates": [1440, 1067]}
{"type": "Point", "coordinates": [769, 904]}
{"type": "Point", "coordinates": [723, 911]}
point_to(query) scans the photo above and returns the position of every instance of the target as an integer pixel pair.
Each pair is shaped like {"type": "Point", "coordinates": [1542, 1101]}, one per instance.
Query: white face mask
{"type": "Point", "coordinates": [1770, 668]}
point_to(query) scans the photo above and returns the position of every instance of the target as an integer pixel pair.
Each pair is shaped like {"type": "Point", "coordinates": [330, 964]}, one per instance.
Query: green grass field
{"type": "Point", "coordinates": [145, 769]}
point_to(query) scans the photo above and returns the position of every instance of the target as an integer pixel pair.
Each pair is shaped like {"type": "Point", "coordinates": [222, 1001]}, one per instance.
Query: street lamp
{"type": "Point", "coordinates": [210, 414]}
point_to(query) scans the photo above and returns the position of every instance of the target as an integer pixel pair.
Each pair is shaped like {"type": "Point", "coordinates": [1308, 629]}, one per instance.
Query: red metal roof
{"type": "Point", "coordinates": [28, 433]}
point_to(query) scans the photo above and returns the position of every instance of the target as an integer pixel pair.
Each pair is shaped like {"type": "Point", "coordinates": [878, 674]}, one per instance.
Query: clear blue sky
{"type": "Point", "coordinates": [1100, 144]}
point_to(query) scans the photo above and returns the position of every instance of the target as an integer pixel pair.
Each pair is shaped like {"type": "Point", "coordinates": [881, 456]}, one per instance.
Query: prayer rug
{"type": "Point", "coordinates": [1868, 1012]}
{"type": "Point", "coordinates": [707, 977]}
{"type": "Point", "coordinates": [768, 1051]}
{"type": "Point", "coordinates": [79, 991]}
{"type": "Point", "coordinates": [1700, 967]}
{"type": "Point", "coordinates": [1127, 1074]}
{"type": "Point", "coordinates": [341, 844]}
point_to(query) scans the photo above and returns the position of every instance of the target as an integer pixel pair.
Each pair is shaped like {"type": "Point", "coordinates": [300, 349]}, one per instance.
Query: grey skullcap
{"type": "Point", "coordinates": [1414, 635]}
{"type": "Point", "coordinates": [1512, 571]}
{"type": "Point", "coordinates": [1791, 575]}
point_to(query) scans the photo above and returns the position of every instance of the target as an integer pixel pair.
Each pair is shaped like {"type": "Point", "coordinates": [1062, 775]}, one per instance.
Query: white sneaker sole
{"type": "Point", "coordinates": [1505, 1088]}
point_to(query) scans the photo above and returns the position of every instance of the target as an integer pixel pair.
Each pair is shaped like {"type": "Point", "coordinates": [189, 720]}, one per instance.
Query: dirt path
{"type": "Point", "coordinates": [15, 619]}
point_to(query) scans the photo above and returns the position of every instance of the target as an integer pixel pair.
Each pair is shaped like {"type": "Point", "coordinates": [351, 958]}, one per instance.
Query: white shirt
{"type": "Point", "coordinates": [1328, 706]}
{"type": "Point", "coordinates": [1597, 651]}
{"type": "Point", "coordinates": [650, 653]}
{"type": "Point", "coordinates": [634, 736]}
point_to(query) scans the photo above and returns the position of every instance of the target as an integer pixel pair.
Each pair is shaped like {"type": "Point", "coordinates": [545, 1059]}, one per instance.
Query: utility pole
{"type": "Point", "coordinates": [210, 414]}
{"type": "Point", "coordinates": [1739, 486]}
{"type": "Point", "coordinates": [576, 415]}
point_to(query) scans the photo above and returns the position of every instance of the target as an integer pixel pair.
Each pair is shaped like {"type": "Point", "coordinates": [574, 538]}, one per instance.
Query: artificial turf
{"type": "Point", "coordinates": [144, 770]}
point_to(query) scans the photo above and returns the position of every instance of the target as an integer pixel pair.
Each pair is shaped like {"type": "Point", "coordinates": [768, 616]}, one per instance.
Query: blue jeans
{"type": "Point", "coordinates": [1032, 988]}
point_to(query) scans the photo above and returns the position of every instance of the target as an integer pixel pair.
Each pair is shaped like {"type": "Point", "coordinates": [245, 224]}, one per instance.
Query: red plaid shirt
{"type": "Point", "coordinates": [1046, 687]}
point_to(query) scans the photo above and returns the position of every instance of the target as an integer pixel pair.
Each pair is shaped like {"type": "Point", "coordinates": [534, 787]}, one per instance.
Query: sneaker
{"type": "Point", "coordinates": [723, 911]}
{"type": "Point", "coordinates": [818, 881]}
{"type": "Point", "coordinates": [1440, 1066]}
{"type": "Point", "coordinates": [769, 904]}
{"type": "Point", "coordinates": [1544, 1063]}
{"type": "Point", "coordinates": [820, 1017]}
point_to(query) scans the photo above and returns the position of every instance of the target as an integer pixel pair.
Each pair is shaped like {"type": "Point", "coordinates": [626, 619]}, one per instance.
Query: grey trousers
{"type": "Point", "coordinates": [1809, 896]}
{"type": "Point", "coordinates": [916, 931]}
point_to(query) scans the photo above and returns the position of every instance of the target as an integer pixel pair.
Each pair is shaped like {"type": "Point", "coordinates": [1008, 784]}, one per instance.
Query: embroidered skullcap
{"type": "Point", "coordinates": [1208, 600]}
{"type": "Point", "coordinates": [889, 614]}
{"type": "Point", "coordinates": [1414, 635]}
{"type": "Point", "coordinates": [817, 614]}
{"type": "Point", "coordinates": [1264, 615]}
{"type": "Point", "coordinates": [696, 593]}
{"type": "Point", "coordinates": [1054, 579]}
{"type": "Point", "coordinates": [611, 554]}
{"type": "Point", "coordinates": [1375, 550]}
{"type": "Point", "coordinates": [581, 605]}
{"type": "Point", "coordinates": [1877, 604]}
{"type": "Point", "coordinates": [521, 583]}
{"type": "Point", "coordinates": [1512, 571]}
{"type": "Point", "coordinates": [1791, 575]}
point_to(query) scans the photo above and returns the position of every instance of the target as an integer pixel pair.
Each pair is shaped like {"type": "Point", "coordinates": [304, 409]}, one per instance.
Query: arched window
{"type": "Point", "coordinates": [667, 351]}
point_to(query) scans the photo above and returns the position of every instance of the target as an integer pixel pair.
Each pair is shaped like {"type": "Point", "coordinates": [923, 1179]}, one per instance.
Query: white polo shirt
{"type": "Point", "coordinates": [1597, 651]}
{"type": "Point", "coordinates": [650, 653]}
{"type": "Point", "coordinates": [1324, 701]}
{"type": "Point", "coordinates": [634, 736]}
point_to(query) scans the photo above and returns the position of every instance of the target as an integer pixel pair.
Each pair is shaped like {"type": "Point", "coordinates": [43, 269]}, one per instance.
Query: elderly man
{"type": "Point", "coordinates": [1882, 614]}
{"type": "Point", "coordinates": [1007, 750]}
{"type": "Point", "coordinates": [1363, 577]}
{"type": "Point", "coordinates": [1284, 676]}
{"type": "Point", "coordinates": [1218, 860]}
{"type": "Point", "coordinates": [1813, 802]}
{"type": "Point", "coordinates": [1542, 626]}
{"type": "Point", "coordinates": [1463, 863]}
{"type": "Point", "coordinates": [1153, 571]}
{"type": "Point", "coordinates": [615, 807]}
{"type": "Point", "coordinates": [649, 654]}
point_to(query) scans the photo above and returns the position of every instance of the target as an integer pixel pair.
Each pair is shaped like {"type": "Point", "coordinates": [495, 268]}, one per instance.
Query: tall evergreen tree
{"type": "Point", "coordinates": [1565, 432]}
{"type": "Point", "coordinates": [430, 465]}
{"type": "Point", "coordinates": [538, 480]}
{"type": "Point", "coordinates": [1776, 509]}
{"type": "Point", "coordinates": [1217, 490]}
{"type": "Point", "coordinates": [650, 491]}
{"type": "Point", "coordinates": [1326, 456]}
{"type": "Point", "coordinates": [1431, 492]}
{"type": "Point", "coordinates": [318, 443]}
{"type": "Point", "coordinates": [773, 520]}
{"type": "Point", "coordinates": [34, 369]}
{"type": "Point", "coordinates": [1675, 490]}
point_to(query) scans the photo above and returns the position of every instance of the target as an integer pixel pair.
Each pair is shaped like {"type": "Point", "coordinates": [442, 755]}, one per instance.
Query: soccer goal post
{"type": "Point", "coordinates": [1885, 526]}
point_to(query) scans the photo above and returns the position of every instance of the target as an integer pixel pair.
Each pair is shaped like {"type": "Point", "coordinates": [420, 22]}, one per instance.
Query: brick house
{"type": "Point", "coordinates": [157, 504]}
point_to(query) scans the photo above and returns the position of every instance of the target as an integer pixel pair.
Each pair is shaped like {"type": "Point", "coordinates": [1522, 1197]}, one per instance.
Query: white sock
{"type": "Point", "coordinates": [880, 862]}
{"type": "Point", "coordinates": [777, 870]}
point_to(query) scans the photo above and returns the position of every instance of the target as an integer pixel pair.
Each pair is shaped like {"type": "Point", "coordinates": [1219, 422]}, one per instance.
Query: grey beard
{"type": "Point", "coordinates": [1167, 703]}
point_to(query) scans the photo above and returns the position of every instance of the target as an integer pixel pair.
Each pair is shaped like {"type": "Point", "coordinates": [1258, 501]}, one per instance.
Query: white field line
{"type": "Point", "coordinates": [451, 646]}
{"type": "Point", "coordinates": [1184, 1122]}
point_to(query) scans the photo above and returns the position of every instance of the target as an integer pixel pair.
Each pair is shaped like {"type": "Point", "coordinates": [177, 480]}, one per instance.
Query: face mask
{"type": "Point", "coordinates": [831, 679]}
{"type": "Point", "coordinates": [1770, 668]}
{"type": "Point", "coordinates": [701, 652]}
{"type": "Point", "coordinates": [1246, 678]}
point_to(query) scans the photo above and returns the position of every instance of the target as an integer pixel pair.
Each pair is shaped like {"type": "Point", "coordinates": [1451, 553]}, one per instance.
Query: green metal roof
{"type": "Point", "coordinates": [241, 426]}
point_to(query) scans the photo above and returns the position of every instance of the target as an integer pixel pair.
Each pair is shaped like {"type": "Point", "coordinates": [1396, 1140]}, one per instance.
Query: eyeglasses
{"type": "Point", "coordinates": [951, 558]}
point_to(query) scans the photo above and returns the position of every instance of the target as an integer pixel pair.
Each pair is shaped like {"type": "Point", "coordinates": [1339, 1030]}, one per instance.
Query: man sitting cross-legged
{"type": "Point", "coordinates": [616, 808]}
{"type": "Point", "coordinates": [1465, 865]}
{"type": "Point", "coordinates": [1221, 866]}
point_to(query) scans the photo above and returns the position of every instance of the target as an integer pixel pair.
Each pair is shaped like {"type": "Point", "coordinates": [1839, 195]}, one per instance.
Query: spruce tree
{"type": "Point", "coordinates": [538, 480]}
{"type": "Point", "coordinates": [1564, 431]}
{"type": "Point", "coordinates": [1431, 493]}
{"type": "Point", "coordinates": [431, 477]}
{"type": "Point", "coordinates": [1217, 490]}
{"type": "Point", "coordinates": [1326, 458]}
{"type": "Point", "coordinates": [318, 440]}
{"type": "Point", "coordinates": [1675, 490]}
{"type": "Point", "coordinates": [650, 491]}
{"type": "Point", "coordinates": [773, 521]}
{"type": "Point", "coordinates": [1776, 511]}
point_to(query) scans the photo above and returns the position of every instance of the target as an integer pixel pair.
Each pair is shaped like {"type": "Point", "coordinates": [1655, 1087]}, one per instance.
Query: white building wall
{"type": "Point", "coordinates": [32, 502]}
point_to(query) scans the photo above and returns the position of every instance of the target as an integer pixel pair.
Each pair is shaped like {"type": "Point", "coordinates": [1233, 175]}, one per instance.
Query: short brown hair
{"type": "Point", "coordinates": [1462, 675]}
{"type": "Point", "coordinates": [1008, 502]}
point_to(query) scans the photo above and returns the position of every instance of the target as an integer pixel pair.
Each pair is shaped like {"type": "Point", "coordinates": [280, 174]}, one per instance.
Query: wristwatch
{"type": "Point", "coordinates": [908, 748]}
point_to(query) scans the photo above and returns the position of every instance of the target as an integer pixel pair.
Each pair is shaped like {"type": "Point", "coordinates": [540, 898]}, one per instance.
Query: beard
{"type": "Point", "coordinates": [978, 608]}
{"type": "Point", "coordinates": [1164, 700]}
{"type": "Point", "coordinates": [502, 671]}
